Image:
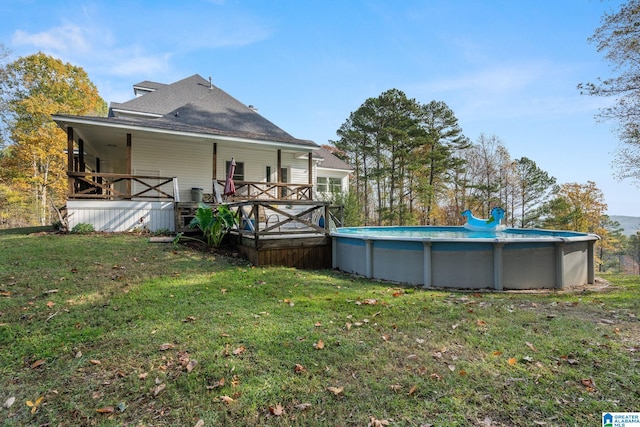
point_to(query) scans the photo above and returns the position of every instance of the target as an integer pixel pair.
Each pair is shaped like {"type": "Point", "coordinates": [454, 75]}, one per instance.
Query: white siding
{"type": "Point", "coordinates": [117, 216]}
{"type": "Point", "coordinates": [256, 161]}
{"type": "Point", "coordinates": [191, 162]}
{"type": "Point", "coordinates": [333, 173]}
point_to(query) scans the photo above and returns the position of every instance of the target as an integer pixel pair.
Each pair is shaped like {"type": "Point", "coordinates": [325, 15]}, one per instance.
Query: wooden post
{"type": "Point", "coordinates": [310, 167]}
{"type": "Point", "coordinates": [214, 169]}
{"type": "Point", "coordinates": [70, 159]}
{"type": "Point", "coordinates": [99, 178]}
{"type": "Point", "coordinates": [128, 164]}
{"type": "Point", "coordinates": [279, 173]}
{"type": "Point", "coordinates": [81, 167]}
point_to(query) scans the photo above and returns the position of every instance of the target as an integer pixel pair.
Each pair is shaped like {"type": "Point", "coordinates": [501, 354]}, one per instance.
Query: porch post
{"type": "Point", "coordinates": [279, 172]}
{"type": "Point", "coordinates": [81, 167]}
{"type": "Point", "coordinates": [70, 179]}
{"type": "Point", "coordinates": [214, 167]}
{"type": "Point", "coordinates": [310, 167]}
{"type": "Point", "coordinates": [129, 165]}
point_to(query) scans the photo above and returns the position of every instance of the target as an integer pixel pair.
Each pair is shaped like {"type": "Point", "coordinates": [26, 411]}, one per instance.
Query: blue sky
{"type": "Point", "coordinates": [506, 68]}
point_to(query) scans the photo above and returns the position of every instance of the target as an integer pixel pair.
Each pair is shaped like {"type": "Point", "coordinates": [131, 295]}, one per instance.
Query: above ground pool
{"type": "Point", "coordinates": [455, 257]}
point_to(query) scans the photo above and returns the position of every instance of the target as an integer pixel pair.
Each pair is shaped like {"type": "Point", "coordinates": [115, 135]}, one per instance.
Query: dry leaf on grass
{"type": "Point", "coordinates": [166, 346]}
{"type": "Point", "coordinates": [336, 390]}
{"type": "Point", "coordinates": [227, 400]}
{"type": "Point", "coordinates": [7, 403]}
{"type": "Point", "coordinates": [38, 363]}
{"type": "Point", "coordinates": [158, 389]}
{"type": "Point", "coordinates": [34, 405]}
{"type": "Point", "coordinates": [200, 423]}
{"type": "Point", "coordinates": [277, 410]}
{"type": "Point", "coordinates": [238, 351]}
{"type": "Point", "coordinates": [319, 345]}
{"type": "Point", "coordinates": [512, 361]}
{"type": "Point", "coordinates": [303, 406]}
{"type": "Point", "coordinates": [95, 362]}
{"type": "Point", "coordinates": [191, 365]}
{"type": "Point", "coordinates": [105, 410]}
{"type": "Point", "coordinates": [588, 384]}
{"type": "Point", "coordinates": [299, 368]}
{"type": "Point", "coordinates": [374, 422]}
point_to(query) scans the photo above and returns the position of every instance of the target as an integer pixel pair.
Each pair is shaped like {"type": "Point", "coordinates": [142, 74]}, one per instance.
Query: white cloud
{"type": "Point", "coordinates": [63, 40]}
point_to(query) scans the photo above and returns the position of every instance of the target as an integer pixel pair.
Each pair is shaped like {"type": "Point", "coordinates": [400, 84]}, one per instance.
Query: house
{"type": "Point", "coordinates": [173, 144]}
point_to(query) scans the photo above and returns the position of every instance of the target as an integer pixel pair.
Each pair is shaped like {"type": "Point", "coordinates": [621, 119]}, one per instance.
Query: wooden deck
{"type": "Point", "coordinates": [300, 251]}
{"type": "Point", "coordinates": [280, 232]}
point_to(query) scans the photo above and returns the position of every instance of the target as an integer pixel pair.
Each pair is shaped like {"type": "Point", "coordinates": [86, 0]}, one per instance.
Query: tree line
{"type": "Point", "coordinates": [32, 146]}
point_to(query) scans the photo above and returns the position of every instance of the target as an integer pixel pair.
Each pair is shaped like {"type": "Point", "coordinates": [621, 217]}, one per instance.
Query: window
{"type": "Point", "coordinates": [335, 185]}
{"type": "Point", "coordinates": [321, 184]}
{"type": "Point", "coordinates": [328, 185]}
{"type": "Point", "coordinates": [238, 174]}
{"type": "Point", "coordinates": [268, 174]}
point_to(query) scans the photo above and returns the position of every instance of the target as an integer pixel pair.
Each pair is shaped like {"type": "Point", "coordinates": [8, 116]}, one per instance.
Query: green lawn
{"type": "Point", "coordinates": [114, 330]}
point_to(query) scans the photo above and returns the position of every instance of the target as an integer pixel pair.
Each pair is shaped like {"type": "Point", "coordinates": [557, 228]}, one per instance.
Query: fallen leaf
{"type": "Point", "coordinates": [299, 368]}
{"type": "Point", "coordinates": [512, 361]}
{"type": "Point", "coordinates": [589, 384]}
{"type": "Point", "coordinates": [497, 353]}
{"type": "Point", "coordinates": [38, 363]}
{"type": "Point", "coordinates": [166, 346]}
{"type": "Point", "coordinates": [462, 372]}
{"type": "Point", "coordinates": [50, 304]}
{"type": "Point", "coordinates": [7, 403]}
{"type": "Point", "coordinates": [531, 346]}
{"type": "Point", "coordinates": [34, 405]}
{"type": "Point", "coordinates": [373, 422]}
{"type": "Point", "coordinates": [412, 390]}
{"type": "Point", "coordinates": [451, 367]}
{"type": "Point", "coordinates": [395, 387]}
{"type": "Point", "coordinates": [435, 376]}
{"type": "Point", "coordinates": [385, 337]}
{"type": "Point", "coordinates": [143, 375]}
{"type": "Point", "coordinates": [317, 324]}
{"type": "Point", "coordinates": [227, 400]}
{"type": "Point", "coordinates": [95, 362]}
{"type": "Point", "coordinates": [106, 410]}
{"type": "Point", "coordinates": [235, 381]}
{"type": "Point", "coordinates": [189, 319]}
{"type": "Point", "coordinates": [336, 390]}
{"type": "Point", "coordinates": [319, 345]}
{"type": "Point", "coordinates": [303, 406]}
{"type": "Point", "coordinates": [217, 384]}
{"type": "Point", "coordinates": [158, 389]}
{"type": "Point", "coordinates": [481, 322]}
{"type": "Point", "coordinates": [277, 410]}
{"type": "Point", "coordinates": [238, 351]}
{"type": "Point", "coordinates": [200, 423]}
{"type": "Point", "coordinates": [348, 326]}
{"type": "Point", "coordinates": [191, 365]}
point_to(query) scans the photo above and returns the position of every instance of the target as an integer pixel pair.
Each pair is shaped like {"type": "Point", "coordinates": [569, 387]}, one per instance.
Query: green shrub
{"type": "Point", "coordinates": [83, 228]}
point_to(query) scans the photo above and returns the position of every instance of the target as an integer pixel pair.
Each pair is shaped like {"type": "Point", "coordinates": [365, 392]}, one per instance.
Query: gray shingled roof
{"type": "Point", "coordinates": [194, 105]}
{"type": "Point", "coordinates": [330, 161]}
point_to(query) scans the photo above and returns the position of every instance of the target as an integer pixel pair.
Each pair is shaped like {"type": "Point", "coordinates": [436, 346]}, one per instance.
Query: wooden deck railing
{"type": "Point", "coordinates": [259, 218]}
{"type": "Point", "coordinates": [250, 190]}
{"type": "Point", "coordinates": [115, 186]}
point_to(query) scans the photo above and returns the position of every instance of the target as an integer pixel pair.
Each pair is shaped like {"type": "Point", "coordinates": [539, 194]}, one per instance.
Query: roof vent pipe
{"type": "Point", "coordinates": [210, 83]}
